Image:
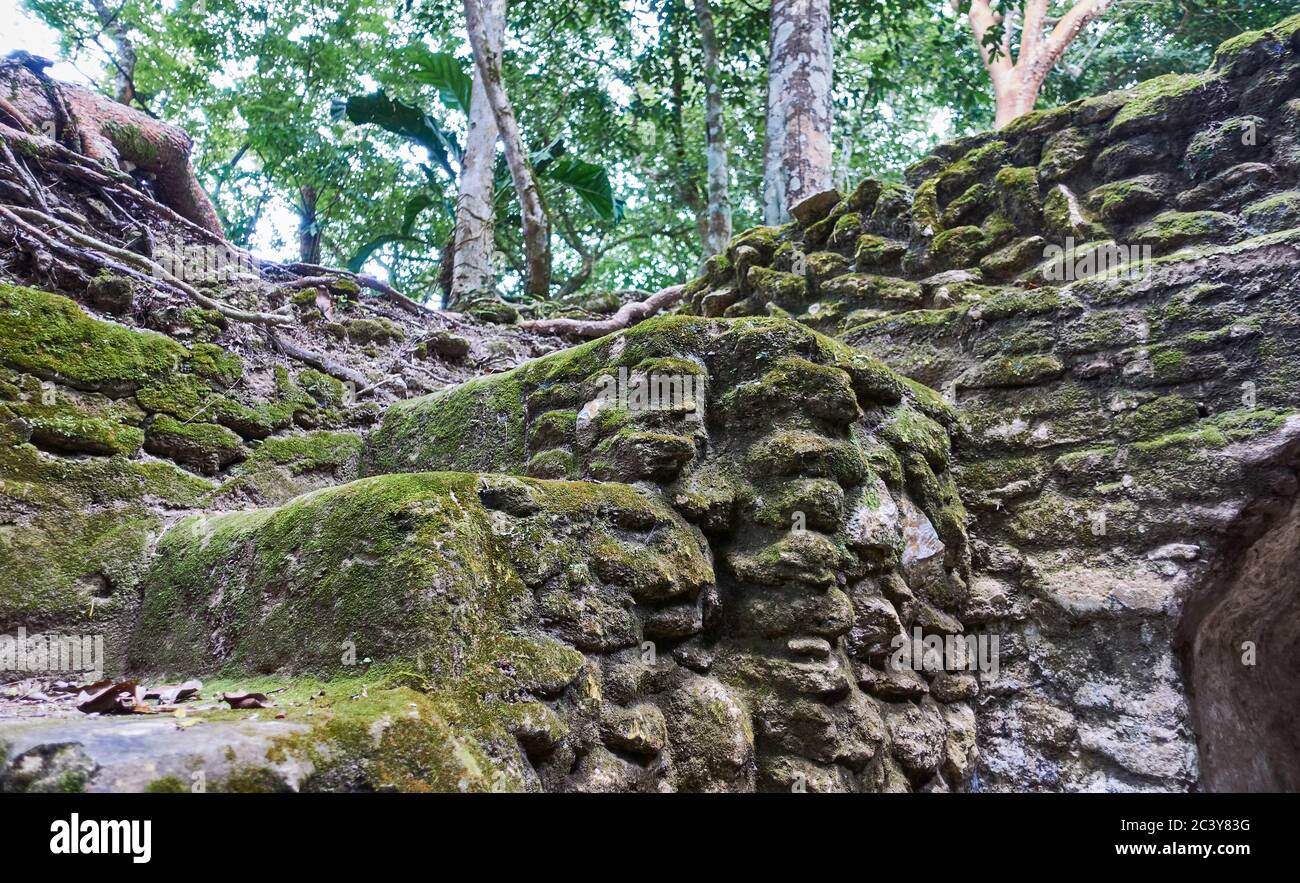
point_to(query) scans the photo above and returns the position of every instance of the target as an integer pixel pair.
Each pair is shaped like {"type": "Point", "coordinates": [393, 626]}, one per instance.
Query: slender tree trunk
{"type": "Point", "coordinates": [308, 226]}
{"type": "Point", "coordinates": [718, 231]}
{"type": "Point", "coordinates": [537, 246]}
{"type": "Point", "coordinates": [472, 273]}
{"type": "Point", "coordinates": [124, 60]}
{"type": "Point", "coordinates": [1016, 81]}
{"type": "Point", "coordinates": [797, 155]}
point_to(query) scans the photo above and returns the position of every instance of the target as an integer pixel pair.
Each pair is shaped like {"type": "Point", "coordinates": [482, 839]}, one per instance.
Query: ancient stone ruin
{"type": "Point", "coordinates": [1041, 402]}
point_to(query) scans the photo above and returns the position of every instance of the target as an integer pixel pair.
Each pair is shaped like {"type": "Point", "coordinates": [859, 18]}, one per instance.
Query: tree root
{"type": "Point", "coordinates": [119, 260]}
{"type": "Point", "coordinates": [627, 315]}
{"type": "Point", "coordinates": [75, 243]}
{"type": "Point", "coordinates": [317, 361]}
{"type": "Point", "coordinates": [328, 276]}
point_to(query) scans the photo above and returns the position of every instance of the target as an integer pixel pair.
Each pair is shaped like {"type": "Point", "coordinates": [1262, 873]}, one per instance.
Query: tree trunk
{"type": "Point", "coordinates": [1016, 81]}
{"type": "Point", "coordinates": [472, 273]}
{"type": "Point", "coordinates": [537, 246]}
{"type": "Point", "coordinates": [797, 155]}
{"type": "Point", "coordinates": [308, 226]}
{"type": "Point", "coordinates": [1014, 99]}
{"type": "Point", "coordinates": [124, 60]}
{"type": "Point", "coordinates": [718, 230]}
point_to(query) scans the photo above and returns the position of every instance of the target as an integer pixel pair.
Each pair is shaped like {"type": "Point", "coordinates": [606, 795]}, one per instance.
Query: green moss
{"type": "Point", "coordinates": [1170, 230]}
{"type": "Point", "coordinates": [1280, 211]}
{"type": "Point", "coordinates": [1040, 121]}
{"type": "Point", "coordinates": [131, 143]}
{"type": "Point", "coordinates": [45, 482]}
{"type": "Point", "coordinates": [1063, 216]}
{"type": "Point", "coordinates": [999, 472]}
{"type": "Point", "coordinates": [864, 287]}
{"type": "Point", "coordinates": [61, 563]}
{"type": "Point", "coordinates": [49, 336]}
{"type": "Point", "coordinates": [932, 405]}
{"type": "Point", "coordinates": [205, 447]}
{"type": "Point", "coordinates": [1013, 258]}
{"type": "Point", "coordinates": [326, 390]}
{"type": "Point", "coordinates": [1017, 190]}
{"type": "Point", "coordinates": [978, 162]}
{"type": "Point", "coordinates": [71, 429]}
{"type": "Point", "coordinates": [309, 452]}
{"type": "Point", "coordinates": [892, 208]}
{"type": "Point", "coordinates": [167, 785]}
{"type": "Point", "coordinates": [1203, 437]}
{"type": "Point", "coordinates": [373, 733]}
{"type": "Point", "coordinates": [1150, 101]}
{"type": "Point", "coordinates": [912, 431]}
{"type": "Point", "coordinates": [846, 228]}
{"type": "Point", "coordinates": [632, 455]}
{"type": "Point", "coordinates": [876, 251]}
{"type": "Point", "coordinates": [1121, 200]}
{"type": "Point", "coordinates": [796, 386]}
{"type": "Point", "coordinates": [958, 247]}
{"type": "Point", "coordinates": [410, 568]}
{"type": "Point", "coordinates": [777, 286]}
{"type": "Point", "coordinates": [825, 264]}
{"type": "Point", "coordinates": [1157, 416]}
{"type": "Point", "coordinates": [1064, 153]}
{"type": "Point", "coordinates": [808, 455]}
{"type": "Point", "coordinates": [380, 331]}
{"type": "Point", "coordinates": [762, 239]}
{"type": "Point", "coordinates": [181, 395]}
{"type": "Point", "coordinates": [554, 428]}
{"type": "Point", "coordinates": [912, 321]}
{"type": "Point", "coordinates": [864, 196]}
{"type": "Point", "coordinates": [975, 201]}
{"type": "Point", "coordinates": [1016, 371]}
{"type": "Point", "coordinates": [555, 463]}
{"type": "Point", "coordinates": [305, 298]}
{"type": "Point", "coordinates": [1228, 56]}
{"type": "Point", "coordinates": [1245, 424]}
{"type": "Point", "coordinates": [925, 208]}
{"type": "Point", "coordinates": [216, 364]}
{"type": "Point", "coordinates": [1170, 365]}
{"type": "Point", "coordinates": [206, 325]}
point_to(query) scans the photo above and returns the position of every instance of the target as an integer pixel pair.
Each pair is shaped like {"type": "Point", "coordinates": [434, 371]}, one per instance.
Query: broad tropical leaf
{"type": "Point", "coordinates": [589, 181]}
{"type": "Point", "coordinates": [445, 73]}
{"type": "Point", "coordinates": [402, 119]}
{"type": "Point", "coordinates": [414, 206]}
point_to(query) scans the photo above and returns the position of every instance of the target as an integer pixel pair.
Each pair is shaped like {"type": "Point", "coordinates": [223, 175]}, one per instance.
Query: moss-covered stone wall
{"type": "Point", "coordinates": [1129, 424]}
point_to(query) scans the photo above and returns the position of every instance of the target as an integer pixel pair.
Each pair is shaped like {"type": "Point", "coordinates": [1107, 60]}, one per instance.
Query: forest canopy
{"type": "Point", "coordinates": [644, 127]}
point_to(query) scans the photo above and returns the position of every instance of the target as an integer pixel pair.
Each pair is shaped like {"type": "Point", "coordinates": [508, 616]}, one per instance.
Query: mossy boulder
{"type": "Point", "coordinates": [50, 336]}
{"type": "Point", "coordinates": [431, 565]}
{"type": "Point", "coordinates": [204, 447]}
{"type": "Point", "coordinates": [379, 331]}
{"type": "Point", "coordinates": [1171, 230]}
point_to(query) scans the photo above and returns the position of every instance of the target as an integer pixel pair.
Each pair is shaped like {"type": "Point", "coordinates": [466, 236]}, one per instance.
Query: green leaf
{"type": "Point", "coordinates": [589, 181]}
{"type": "Point", "coordinates": [540, 159]}
{"type": "Point", "coordinates": [414, 206]}
{"type": "Point", "coordinates": [444, 72]}
{"type": "Point", "coordinates": [358, 260]}
{"type": "Point", "coordinates": [402, 119]}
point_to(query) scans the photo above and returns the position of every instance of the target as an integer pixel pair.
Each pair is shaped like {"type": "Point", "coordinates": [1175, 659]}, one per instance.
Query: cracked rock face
{"type": "Point", "coordinates": [724, 622]}
{"type": "Point", "coordinates": [690, 555]}
{"type": "Point", "coordinates": [1105, 293]}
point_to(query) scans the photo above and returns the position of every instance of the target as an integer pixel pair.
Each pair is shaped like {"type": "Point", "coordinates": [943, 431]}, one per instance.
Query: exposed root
{"type": "Point", "coordinates": [629, 314]}
{"type": "Point", "coordinates": [106, 256]}
{"type": "Point", "coordinates": [318, 361]}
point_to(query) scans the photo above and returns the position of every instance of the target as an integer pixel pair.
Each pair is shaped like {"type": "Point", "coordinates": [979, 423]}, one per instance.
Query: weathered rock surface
{"type": "Point", "coordinates": [1130, 415]}
{"type": "Point", "coordinates": [680, 557]}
